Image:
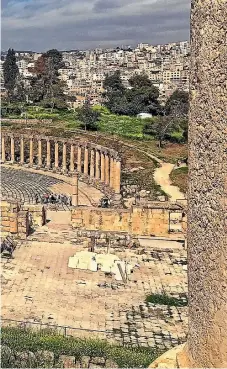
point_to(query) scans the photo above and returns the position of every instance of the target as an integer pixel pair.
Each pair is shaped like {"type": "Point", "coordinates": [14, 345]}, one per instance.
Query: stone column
{"type": "Point", "coordinates": [86, 160]}
{"type": "Point", "coordinates": [64, 157]}
{"type": "Point", "coordinates": [12, 150]}
{"type": "Point", "coordinates": [102, 167]}
{"type": "Point", "coordinates": [3, 159]}
{"type": "Point", "coordinates": [72, 158]}
{"type": "Point", "coordinates": [75, 185]}
{"type": "Point", "coordinates": [207, 192]}
{"type": "Point", "coordinates": [107, 168]}
{"type": "Point", "coordinates": [48, 154]}
{"type": "Point", "coordinates": [56, 161]}
{"type": "Point", "coordinates": [117, 178]}
{"type": "Point", "coordinates": [31, 152]}
{"type": "Point", "coordinates": [22, 150]}
{"type": "Point", "coordinates": [112, 174]}
{"type": "Point", "coordinates": [97, 164]}
{"type": "Point", "coordinates": [40, 152]}
{"type": "Point", "coordinates": [92, 163]}
{"type": "Point", "coordinates": [79, 158]}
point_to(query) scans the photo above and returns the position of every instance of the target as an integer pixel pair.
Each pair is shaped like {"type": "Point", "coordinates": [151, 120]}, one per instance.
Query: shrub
{"type": "Point", "coordinates": [164, 299]}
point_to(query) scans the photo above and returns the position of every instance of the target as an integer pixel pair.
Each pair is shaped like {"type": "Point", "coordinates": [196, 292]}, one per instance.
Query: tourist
{"type": "Point", "coordinates": [36, 198]}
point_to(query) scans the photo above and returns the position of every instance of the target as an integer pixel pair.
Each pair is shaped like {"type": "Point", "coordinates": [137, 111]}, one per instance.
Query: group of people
{"type": "Point", "coordinates": [53, 198]}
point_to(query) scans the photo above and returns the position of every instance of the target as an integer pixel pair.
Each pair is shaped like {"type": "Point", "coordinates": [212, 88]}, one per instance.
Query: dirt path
{"type": "Point", "coordinates": [161, 174]}
{"type": "Point", "coordinates": [162, 178]}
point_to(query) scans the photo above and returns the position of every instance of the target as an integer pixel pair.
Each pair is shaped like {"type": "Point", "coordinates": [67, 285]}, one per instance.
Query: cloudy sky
{"type": "Point", "coordinates": [39, 25]}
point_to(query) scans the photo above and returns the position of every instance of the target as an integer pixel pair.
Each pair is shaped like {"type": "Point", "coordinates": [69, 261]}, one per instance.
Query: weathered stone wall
{"type": "Point", "coordinates": [137, 221]}
{"type": "Point", "coordinates": [14, 218]}
{"type": "Point", "coordinates": [12, 221]}
{"type": "Point", "coordinates": [207, 195]}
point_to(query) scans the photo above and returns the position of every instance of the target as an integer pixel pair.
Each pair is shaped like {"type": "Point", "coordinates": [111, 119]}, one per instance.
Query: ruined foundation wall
{"type": "Point", "coordinates": [14, 218]}
{"type": "Point", "coordinates": [12, 223]}
{"type": "Point", "coordinates": [136, 221]}
{"type": "Point", "coordinates": [207, 195]}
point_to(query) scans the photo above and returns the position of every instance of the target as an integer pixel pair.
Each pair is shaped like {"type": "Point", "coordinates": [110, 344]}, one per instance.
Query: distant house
{"type": "Point", "coordinates": [144, 115]}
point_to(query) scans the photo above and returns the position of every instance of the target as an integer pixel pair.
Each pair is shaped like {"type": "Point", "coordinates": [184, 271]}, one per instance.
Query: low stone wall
{"type": "Point", "coordinates": [135, 221]}
{"type": "Point", "coordinates": [15, 218]}
{"type": "Point", "coordinates": [47, 359]}
{"type": "Point", "coordinates": [28, 121]}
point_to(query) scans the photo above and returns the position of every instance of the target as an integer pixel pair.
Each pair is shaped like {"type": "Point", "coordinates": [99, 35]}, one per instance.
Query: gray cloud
{"type": "Point", "coordinates": [70, 24]}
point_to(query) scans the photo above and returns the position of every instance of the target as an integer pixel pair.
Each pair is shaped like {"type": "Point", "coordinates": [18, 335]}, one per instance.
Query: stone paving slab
{"type": "Point", "coordinates": [39, 286]}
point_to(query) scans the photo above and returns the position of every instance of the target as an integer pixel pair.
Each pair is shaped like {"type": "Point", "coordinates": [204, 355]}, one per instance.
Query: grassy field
{"type": "Point", "coordinates": [179, 177]}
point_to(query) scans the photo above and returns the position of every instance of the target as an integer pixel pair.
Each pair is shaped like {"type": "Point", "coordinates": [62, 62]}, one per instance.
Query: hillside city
{"type": "Point", "coordinates": [84, 72]}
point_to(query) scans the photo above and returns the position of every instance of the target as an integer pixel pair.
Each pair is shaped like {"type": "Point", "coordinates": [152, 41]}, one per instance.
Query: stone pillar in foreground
{"type": "Point", "coordinates": [31, 152]}
{"type": "Point", "coordinates": [207, 192]}
{"type": "Point", "coordinates": [92, 163]}
{"type": "Point", "coordinates": [72, 158]}
{"type": "Point", "coordinates": [12, 147]}
{"type": "Point", "coordinates": [79, 159]}
{"type": "Point", "coordinates": [64, 157]}
{"type": "Point", "coordinates": [48, 154]}
{"type": "Point", "coordinates": [86, 160]}
{"type": "Point", "coordinates": [22, 150]}
{"type": "Point", "coordinates": [102, 167]}
{"type": "Point", "coordinates": [75, 184]}
{"type": "Point", "coordinates": [56, 151]}
{"type": "Point", "coordinates": [40, 153]}
{"type": "Point", "coordinates": [3, 158]}
{"type": "Point", "coordinates": [97, 164]}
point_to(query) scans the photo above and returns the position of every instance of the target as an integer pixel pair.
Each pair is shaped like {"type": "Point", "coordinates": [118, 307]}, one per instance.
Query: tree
{"type": "Point", "coordinates": [47, 87]}
{"type": "Point", "coordinates": [88, 117]}
{"type": "Point", "coordinates": [139, 81]}
{"type": "Point", "coordinates": [160, 127]}
{"type": "Point", "coordinates": [10, 72]}
{"type": "Point", "coordinates": [56, 57]}
{"type": "Point", "coordinates": [142, 97]}
{"type": "Point", "coordinates": [178, 104]}
{"type": "Point", "coordinates": [145, 98]}
{"type": "Point", "coordinates": [20, 91]}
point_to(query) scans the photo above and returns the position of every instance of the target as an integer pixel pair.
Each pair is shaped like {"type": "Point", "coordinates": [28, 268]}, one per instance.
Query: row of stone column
{"type": "Point", "coordinates": [103, 166]}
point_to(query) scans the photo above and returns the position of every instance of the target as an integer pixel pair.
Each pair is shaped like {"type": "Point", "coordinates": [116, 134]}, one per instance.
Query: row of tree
{"type": "Point", "coordinates": [142, 96]}
{"type": "Point", "coordinates": [43, 87]}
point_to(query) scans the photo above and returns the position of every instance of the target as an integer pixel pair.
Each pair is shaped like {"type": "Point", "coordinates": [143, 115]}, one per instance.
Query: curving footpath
{"type": "Point", "coordinates": [161, 174]}
{"type": "Point", "coordinates": [162, 178]}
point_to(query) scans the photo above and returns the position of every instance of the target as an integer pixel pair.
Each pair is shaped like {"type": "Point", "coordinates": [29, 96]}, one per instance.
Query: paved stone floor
{"type": "Point", "coordinates": [24, 184]}
{"type": "Point", "coordinates": [37, 285]}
